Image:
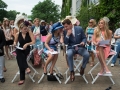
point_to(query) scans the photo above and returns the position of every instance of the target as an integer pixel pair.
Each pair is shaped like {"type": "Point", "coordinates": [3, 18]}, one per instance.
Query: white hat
{"type": "Point", "coordinates": [42, 21]}
{"type": "Point", "coordinates": [5, 19]}
{"type": "Point", "coordinates": [18, 18]}
{"type": "Point", "coordinates": [106, 19]}
{"type": "Point", "coordinates": [72, 19]}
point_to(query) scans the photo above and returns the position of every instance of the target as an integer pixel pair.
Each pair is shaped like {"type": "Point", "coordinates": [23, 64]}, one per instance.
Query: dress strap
{"type": "Point", "coordinates": [102, 36]}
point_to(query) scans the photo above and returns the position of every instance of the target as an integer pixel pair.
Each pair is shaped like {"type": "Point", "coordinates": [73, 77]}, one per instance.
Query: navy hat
{"type": "Point", "coordinates": [56, 26]}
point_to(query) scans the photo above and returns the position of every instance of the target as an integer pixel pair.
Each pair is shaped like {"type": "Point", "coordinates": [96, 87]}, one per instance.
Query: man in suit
{"type": "Point", "coordinates": [75, 35]}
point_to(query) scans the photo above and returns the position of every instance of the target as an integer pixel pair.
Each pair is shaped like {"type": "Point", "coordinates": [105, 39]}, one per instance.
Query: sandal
{"type": "Point", "coordinates": [28, 71]}
{"type": "Point", "coordinates": [92, 64]}
{"type": "Point", "coordinates": [21, 82]}
{"type": "Point", "coordinates": [72, 76]}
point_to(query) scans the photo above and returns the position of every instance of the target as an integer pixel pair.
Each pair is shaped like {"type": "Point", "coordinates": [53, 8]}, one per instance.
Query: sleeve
{"type": "Point", "coordinates": [84, 39]}
{"type": "Point", "coordinates": [116, 32]}
{"type": "Point", "coordinates": [2, 39]}
{"type": "Point", "coordinates": [66, 38]}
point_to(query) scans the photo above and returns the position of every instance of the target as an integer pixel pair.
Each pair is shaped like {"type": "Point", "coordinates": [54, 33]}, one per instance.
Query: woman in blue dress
{"type": "Point", "coordinates": [52, 40]}
{"type": "Point", "coordinates": [89, 34]}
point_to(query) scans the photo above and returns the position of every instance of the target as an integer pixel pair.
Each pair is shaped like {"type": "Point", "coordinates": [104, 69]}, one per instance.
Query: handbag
{"type": "Point", "coordinates": [51, 77]}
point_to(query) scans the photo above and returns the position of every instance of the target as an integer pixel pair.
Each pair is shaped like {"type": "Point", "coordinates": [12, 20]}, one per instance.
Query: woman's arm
{"type": "Point", "coordinates": [16, 39]}
{"type": "Point", "coordinates": [49, 36]}
{"type": "Point", "coordinates": [94, 38]}
{"type": "Point", "coordinates": [62, 38]}
{"type": "Point", "coordinates": [116, 36]}
{"type": "Point", "coordinates": [14, 32]}
{"type": "Point", "coordinates": [86, 31]}
{"type": "Point", "coordinates": [32, 38]}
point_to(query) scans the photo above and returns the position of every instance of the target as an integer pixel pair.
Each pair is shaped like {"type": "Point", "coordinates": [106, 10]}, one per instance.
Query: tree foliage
{"type": "Point", "coordinates": [3, 12]}
{"type": "Point", "coordinates": [2, 5]}
{"type": "Point", "coordinates": [66, 6]}
{"type": "Point", "coordinates": [46, 10]}
{"type": "Point", "coordinates": [11, 15]}
{"type": "Point", "coordinates": [109, 8]}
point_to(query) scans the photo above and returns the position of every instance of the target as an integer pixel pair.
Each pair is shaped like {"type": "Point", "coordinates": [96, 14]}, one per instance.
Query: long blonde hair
{"type": "Point", "coordinates": [4, 23]}
{"type": "Point", "coordinates": [106, 28]}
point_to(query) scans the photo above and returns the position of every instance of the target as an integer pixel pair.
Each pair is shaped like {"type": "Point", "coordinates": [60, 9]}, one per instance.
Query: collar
{"type": "Point", "coordinates": [73, 30]}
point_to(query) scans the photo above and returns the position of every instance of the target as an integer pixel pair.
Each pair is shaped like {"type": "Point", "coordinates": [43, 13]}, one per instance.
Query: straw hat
{"type": "Point", "coordinates": [72, 19]}
{"type": "Point", "coordinates": [18, 18]}
{"type": "Point", "coordinates": [5, 19]}
{"type": "Point", "coordinates": [106, 19]}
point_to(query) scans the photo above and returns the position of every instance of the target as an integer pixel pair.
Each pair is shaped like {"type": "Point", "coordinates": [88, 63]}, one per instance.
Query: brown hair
{"type": "Point", "coordinates": [66, 21]}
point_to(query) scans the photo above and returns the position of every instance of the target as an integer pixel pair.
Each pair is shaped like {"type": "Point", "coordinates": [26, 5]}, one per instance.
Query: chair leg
{"type": "Point", "coordinates": [41, 78]}
{"type": "Point", "coordinates": [111, 80]}
{"type": "Point", "coordinates": [85, 79]}
{"type": "Point", "coordinates": [95, 79]}
{"type": "Point", "coordinates": [15, 76]}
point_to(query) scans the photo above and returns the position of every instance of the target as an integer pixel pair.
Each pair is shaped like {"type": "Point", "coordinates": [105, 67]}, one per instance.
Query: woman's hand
{"type": "Point", "coordinates": [89, 41]}
{"type": "Point", "coordinates": [51, 50]}
{"type": "Point", "coordinates": [25, 46]}
{"type": "Point", "coordinates": [96, 43]}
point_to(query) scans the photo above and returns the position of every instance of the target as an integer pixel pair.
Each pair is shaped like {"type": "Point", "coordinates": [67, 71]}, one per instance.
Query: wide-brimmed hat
{"type": "Point", "coordinates": [72, 19]}
{"type": "Point", "coordinates": [5, 19]}
{"type": "Point", "coordinates": [106, 19]}
{"type": "Point", "coordinates": [42, 21]}
{"type": "Point", "coordinates": [18, 18]}
{"type": "Point", "coordinates": [56, 26]}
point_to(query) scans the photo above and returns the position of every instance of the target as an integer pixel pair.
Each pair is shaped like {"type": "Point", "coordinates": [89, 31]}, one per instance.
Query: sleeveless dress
{"type": "Point", "coordinates": [22, 54]}
{"type": "Point", "coordinates": [90, 31]}
{"type": "Point", "coordinates": [52, 44]}
{"type": "Point", "coordinates": [106, 47]}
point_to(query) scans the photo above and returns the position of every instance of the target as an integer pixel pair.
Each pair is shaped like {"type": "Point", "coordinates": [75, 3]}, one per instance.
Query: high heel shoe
{"type": "Point", "coordinates": [28, 71]}
{"type": "Point", "coordinates": [72, 76]}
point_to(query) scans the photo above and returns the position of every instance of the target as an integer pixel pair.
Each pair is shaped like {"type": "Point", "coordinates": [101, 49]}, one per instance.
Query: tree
{"type": "Point", "coordinates": [3, 12]}
{"type": "Point", "coordinates": [66, 6]}
{"type": "Point", "coordinates": [11, 15]}
{"type": "Point", "coordinates": [109, 8]}
{"type": "Point", "coordinates": [46, 10]}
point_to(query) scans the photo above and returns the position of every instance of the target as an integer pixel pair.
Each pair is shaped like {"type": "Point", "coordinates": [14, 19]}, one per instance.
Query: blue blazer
{"type": "Point", "coordinates": [43, 31]}
{"type": "Point", "coordinates": [77, 39]}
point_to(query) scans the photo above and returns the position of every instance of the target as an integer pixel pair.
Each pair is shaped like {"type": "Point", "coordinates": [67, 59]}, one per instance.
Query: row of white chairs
{"type": "Point", "coordinates": [77, 64]}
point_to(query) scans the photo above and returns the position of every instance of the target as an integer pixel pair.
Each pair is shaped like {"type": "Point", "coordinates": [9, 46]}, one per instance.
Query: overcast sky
{"type": "Point", "coordinates": [25, 6]}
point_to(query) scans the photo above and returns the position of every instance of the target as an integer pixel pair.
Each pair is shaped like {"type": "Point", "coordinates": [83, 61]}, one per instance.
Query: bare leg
{"type": "Point", "coordinates": [102, 55]}
{"type": "Point", "coordinates": [93, 56]}
{"type": "Point", "coordinates": [6, 50]}
{"type": "Point", "coordinates": [53, 63]}
{"type": "Point", "coordinates": [49, 59]}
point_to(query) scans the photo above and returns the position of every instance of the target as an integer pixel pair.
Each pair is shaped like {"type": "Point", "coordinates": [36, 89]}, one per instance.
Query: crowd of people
{"type": "Point", "coordinates": [23, 33]}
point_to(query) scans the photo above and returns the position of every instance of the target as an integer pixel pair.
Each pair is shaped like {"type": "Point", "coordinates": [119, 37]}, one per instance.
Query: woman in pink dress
{"type": "Point", "coordinates": [102, 32]}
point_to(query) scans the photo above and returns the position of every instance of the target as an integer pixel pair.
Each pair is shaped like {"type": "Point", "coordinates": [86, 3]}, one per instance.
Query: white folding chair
{"type": "Point", "coordinates": [77, 64]}
{"type": "Point", "coordinates": [28, 59]}
{"type": "Point", "coordinates": [112, 53]}
{"type": "Point", "coordinates": [44, 57]}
